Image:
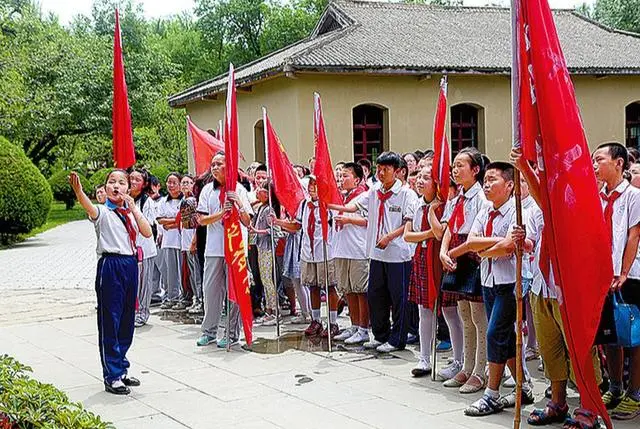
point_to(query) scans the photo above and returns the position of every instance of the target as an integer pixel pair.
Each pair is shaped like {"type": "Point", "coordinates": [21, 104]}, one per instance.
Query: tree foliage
{"type": "Point", "coordinates": [620, 14]}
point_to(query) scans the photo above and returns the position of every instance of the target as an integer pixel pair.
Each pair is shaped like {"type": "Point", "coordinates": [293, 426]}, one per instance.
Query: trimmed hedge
{"type": "Point", "coordinates": [25, 195]}
{"type": "Point", "coordinates": [27, 403]}
{"type": "Point", "coordinates": [61, 188]}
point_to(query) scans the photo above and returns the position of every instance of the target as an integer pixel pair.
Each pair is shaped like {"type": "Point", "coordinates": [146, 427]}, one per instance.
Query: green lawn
{"type": "Point", "coordinates": [58, 215]}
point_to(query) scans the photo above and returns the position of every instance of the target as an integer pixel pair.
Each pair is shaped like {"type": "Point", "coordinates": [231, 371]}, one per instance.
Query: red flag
{"type": "Point", "coordinates": [328, 192]}
{"type": "Point", "coordinates": [285, 180]}
{"type": "Point", "coordinates": [234, 246]}
{"type": "Point", "coordinates": [124, 155]}
{"type": "Point", "coordinates": [204, 146]}
{"type": "Point", "coordinates": [440, 170]}
{"type": "Point", "coordinates": [547, 124]}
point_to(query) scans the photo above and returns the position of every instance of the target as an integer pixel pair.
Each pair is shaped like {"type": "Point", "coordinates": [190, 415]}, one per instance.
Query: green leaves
{"type": "Point", "coordinates": [28, 403]}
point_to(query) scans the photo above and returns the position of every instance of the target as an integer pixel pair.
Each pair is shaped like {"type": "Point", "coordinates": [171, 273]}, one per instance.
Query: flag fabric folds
{"type": "Point", "coordinates": [548, 127]}
{"type": "Point", "coordinates": [323, 170]}
{"type": "Point", "coordinates": [124, 155]}
{"type": "Point", "coordinates": [441, 158]}
{"type": "Point", "coordinates": [204, 146]}
{"type": "Point", "coordinates": [234, 246]}
{"type": "Point", "coordinates": [285, 180]}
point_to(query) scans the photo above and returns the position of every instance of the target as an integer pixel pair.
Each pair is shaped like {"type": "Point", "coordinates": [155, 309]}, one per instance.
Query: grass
{"type": "Point", "coordinates": [58, 215]}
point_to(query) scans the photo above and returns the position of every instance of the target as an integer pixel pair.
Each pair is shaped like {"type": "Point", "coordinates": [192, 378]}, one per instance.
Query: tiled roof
{"type": "Point", "coordinates": [398, 38]}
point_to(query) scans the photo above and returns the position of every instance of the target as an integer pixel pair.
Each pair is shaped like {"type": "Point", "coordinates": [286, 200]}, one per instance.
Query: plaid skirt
{"type": "Point", "coordinates": [419, 280]}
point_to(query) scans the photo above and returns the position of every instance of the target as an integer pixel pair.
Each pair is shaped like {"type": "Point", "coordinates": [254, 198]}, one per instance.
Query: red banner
{"type": "Point", "coordinates": [441, 158]}
{"type": "Point", "coordinates": [328, 192]}
{"type": "Point", "coordinates": [234, 245]}
{"type": "Point", "coordinates": [124, 155]}
{"type": "Point", "coordinates": [204, 146]}
{"type": "Point", "coordinates": [548, 127]}
{"type": "Point", "coordinates": [285, 180]}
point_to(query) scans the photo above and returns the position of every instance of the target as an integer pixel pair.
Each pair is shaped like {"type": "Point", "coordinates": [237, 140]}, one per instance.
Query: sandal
{"type": "Point", "coordinates": [474, 384]}
{"type": "Point", "coordinates": [483, 407]}
{"type": "Point", "coordinates": [552, 413]}
{"type": "Point", "coordinates": [575, 423]}
{"type": "Point", "coordinates": [458, 380]}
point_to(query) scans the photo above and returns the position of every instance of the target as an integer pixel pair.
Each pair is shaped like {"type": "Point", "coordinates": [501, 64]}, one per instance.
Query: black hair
{"type": "Point", "coordinates": [403, 166]}
{"type": "Point", "coordinates": [634, 155]}
{"type": "Point", "coordinates": [389, 158]}
{"type": "Point", "coordinates": [505, 169]}
{"type": "Point", "coordinates": [356, 168]}
{"type": "Point", "coordinates": [419, 154]}
{"type": "Point", "coordinates": [99, 186]}
{"type": "Point", "coordinates": [415, 157]}
{"type": "Point", "coordinates": [476, 159]}
{"type": "Point", "coordinates": [189, 176]}
{"type": "Point", "coordinates": [414, 173]}
{"type": "Point", "coordinates": [429, 153]}
{"type": "Point", "coordinates": [118, 170]}
{"type": "Point", "coordinates": [275, 203]}
{"type": "Point", "coordinates": [260, 167]}
{"type": "Point", "coordinates": [200, 182]}
{"type": "Point", "coordinates": [176, 174]}
{"type": "Point", "coordinates": [617, 150]}
{"type": "Point", "coordinates": [153, 180]}
{"type": "Point", "coordinates": [305, 170]}
{"type": "Point", "coordinates": [364, 162]}
{"type": "Point", "coordinates": [146, 187]}
{"type": "Point", "coordinates": [342, 163]}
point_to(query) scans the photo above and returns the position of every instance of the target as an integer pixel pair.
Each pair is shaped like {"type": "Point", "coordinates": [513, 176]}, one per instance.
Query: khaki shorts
{"type": "Point", "coordinates": [353, 275]}
{"type": "Point", "coordinates": [312, 274]}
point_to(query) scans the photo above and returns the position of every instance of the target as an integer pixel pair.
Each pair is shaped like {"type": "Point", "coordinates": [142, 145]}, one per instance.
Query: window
{"type": "Point", "coordinates": [466, 127]}
{"type": "Point", "coordinates": [258, 142]}
{"type": "Point", "coordinates": [632, 125]}
{"type": "Point", "coordinates": [369, 131]}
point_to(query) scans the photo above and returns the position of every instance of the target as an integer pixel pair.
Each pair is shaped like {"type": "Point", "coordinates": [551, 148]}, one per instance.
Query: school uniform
{"type": "Point", "coordinates": [116, 288]}
{"type": "Point", "coordinates": [350, 251]}
{"type": "Point", "coordinates": [312, 272]}
{"type": "Point", "coordinates": [193, 262]}
{"type": "Point", "coordinates": [621, 209]}
{"type": "Point", "coordinates": [171, 247]}
{"type": "Point", "coordinates": [149, 251]}
{"type": "Point", "coordinates": [389, 268]}
{"type": "Point", "coordinates": [159, 286]}
{"type": "Point", "coordinates": [214, 282]}
{"type": "Point", "coordinates": [498, 277]}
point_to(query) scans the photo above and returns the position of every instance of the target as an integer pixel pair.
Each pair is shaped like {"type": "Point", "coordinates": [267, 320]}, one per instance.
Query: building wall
{"type": "Point", "coordinates": [411, 108]}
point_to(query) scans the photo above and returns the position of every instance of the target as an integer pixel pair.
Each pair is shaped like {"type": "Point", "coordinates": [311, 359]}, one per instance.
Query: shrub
{"type": "Point", "coordinates": [98, 178]}
{"type": "Point", "coordinates": [62, 189]}
{"type": "Point", "coordinates": [27, 403]}
{"type": "Point", "coordinates": [161, 172]}
{"type": "Point", "coordinates": [25, 195]}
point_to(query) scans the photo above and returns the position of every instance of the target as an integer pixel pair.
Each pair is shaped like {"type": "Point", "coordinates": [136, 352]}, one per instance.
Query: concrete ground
{"type": "Point", "coordinates": [47, 321]}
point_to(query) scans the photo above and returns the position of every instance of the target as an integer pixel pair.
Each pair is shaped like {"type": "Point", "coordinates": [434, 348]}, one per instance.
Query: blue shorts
{"type": "Point", "coordinates": [500, 303]}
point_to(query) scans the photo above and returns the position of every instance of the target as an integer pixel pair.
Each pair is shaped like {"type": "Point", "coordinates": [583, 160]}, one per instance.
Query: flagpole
{"type": "Point", "coordinates": [326, 287]}
{"type": "Point", "coordinates": [515, 121]}
{"type": "Point", "coordinates": [274, 273]}
{"type": "Point", "coordinates": [434, 340]}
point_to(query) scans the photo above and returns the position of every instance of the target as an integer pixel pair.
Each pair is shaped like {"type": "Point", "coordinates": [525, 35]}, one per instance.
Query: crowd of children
{"type": "Point", "coordinates": [398, 255]}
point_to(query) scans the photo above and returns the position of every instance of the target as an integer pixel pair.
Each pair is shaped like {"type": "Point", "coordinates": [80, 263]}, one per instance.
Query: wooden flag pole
{"type": "Point", "coordinates": [326, 288]}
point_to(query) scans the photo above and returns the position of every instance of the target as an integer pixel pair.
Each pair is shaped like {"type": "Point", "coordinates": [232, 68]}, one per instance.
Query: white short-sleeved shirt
{"type": "Point", "coordinates": [350, 241]}
{"type": "Point", "coordinates": [112, 235]}
{"type": "Point", "coordinates": [169, 208]}
{"type": "Point", "coordinates": [503, 269]}
{"type": "Point", "coordinates": [474, 201]}
{"type": "Point", "coordinates": [535, 226]}
{"type": "Point", "coordinates": [528, 207]}
{"type": "Point", "coordinates": [626, 215]}
{"type": "Point", "coordinates": [397, 210]}
{"type": "Point", "coordinates": [209, 203]}
{"type": "Point", "coordinates": [302, 217]}
{"type": "Point", "coordinates": [148, 245]}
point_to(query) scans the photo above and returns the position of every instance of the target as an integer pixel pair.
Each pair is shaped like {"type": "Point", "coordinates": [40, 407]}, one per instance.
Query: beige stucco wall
{"type": "Point", "coordinates": [410, 102]}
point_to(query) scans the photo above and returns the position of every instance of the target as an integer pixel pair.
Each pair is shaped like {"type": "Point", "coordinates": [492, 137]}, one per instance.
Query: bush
{"type": "Point", "coordinates": [25, 195]}
{"type": "Point", "coordinates": [27, 403]}
{"type": "Point", "coordinates": [98, 178]}
{"type": "Point", "coordinates": [161, 172]}
{"type": "Point", "coordinates": [61, 188]}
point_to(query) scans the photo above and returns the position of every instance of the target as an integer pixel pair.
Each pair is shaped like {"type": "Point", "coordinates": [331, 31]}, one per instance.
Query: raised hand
{"type": "Point", "coordinates": [75, 183]}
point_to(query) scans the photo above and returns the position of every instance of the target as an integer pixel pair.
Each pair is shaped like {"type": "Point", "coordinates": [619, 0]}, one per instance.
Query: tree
{"type": "Point", "coordinates": [620, 14]}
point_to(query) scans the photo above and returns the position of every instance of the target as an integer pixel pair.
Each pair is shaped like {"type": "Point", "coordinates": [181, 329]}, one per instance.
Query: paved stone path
{"type": "Point", "coordinates": [47, 321]}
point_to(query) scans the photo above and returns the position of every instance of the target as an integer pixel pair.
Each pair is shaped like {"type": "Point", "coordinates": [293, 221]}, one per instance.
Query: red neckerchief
{"type": "Point", "coordinates": [123, 213]}
{"type": "Point", "coordinates": [361, 188]}
{"type": "Point", "coordinates": [608, 210]}
{"type": "Point", "coordinates": [488, 232]}
{"type": "Point", "coordinates": [382, 197]}
{"type": "Point", "coordinates": [457, 216]}
{"type": "Point", "coordinates": [311, 225]}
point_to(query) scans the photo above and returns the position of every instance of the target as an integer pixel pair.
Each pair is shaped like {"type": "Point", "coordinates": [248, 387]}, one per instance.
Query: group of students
{"type": "Point", "coordinates": [393, 248]}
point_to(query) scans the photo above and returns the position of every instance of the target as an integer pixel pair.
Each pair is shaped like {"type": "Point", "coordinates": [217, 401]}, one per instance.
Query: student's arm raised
{"type": "Point", "coordinates": [529, 175]}
{"type": "Point", "coordinates": [85, 202]}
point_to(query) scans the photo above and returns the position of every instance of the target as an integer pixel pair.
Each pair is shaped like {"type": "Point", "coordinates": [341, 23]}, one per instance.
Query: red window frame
{"type": "Point", "coordinates": [632, 125]}
{"type": "Point", "coordinates": [368, 132]}
{"type": "Point", "coordinates": [464, 127]}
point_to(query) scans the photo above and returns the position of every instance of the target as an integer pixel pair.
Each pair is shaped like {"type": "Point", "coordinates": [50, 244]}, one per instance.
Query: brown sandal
{"type": "Point", "coordinates": [474, 384]}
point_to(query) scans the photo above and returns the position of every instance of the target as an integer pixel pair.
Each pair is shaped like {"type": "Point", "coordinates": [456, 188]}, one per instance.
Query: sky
{"type": "Point", "coordinates": [67, 9]}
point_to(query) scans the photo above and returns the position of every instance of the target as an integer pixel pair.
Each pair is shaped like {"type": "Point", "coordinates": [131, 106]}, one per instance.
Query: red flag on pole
{"type": "Point", "coordinates": [285, 180]}
{"type": "Point", "coordinates": [323, 170]}
{"type": "Point", "coordinates": [548, 127]}
{"type": "Point", "coordinates": [204, 145]}
{"type": "Point", "coordinates": [440, 170]}
{"type": "Point", "coordinates": [234, 246]}
{"type": "Point", "coordinates": [124, 155]}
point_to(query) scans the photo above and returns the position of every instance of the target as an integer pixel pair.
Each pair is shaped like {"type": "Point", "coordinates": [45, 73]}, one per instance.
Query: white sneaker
{"type": "Point", "coordinates": [450, 371]}
{"type": "Point", "coordinates": [386, 348]}
{"type": "Point", "coordinates": [372, 344]}
{"type": "Point", "coordinates": [360, 336]}
{"type": "Point", "coordinates": [347, 333]}
{"type": "Point", "coordinates": [509, 382]}
{"type": "Point", "coordinates": [422, 368]}
{"type": "Point", "coordinates": [302, 319]}
{"type": "Point", "coordinates": [269, 320]}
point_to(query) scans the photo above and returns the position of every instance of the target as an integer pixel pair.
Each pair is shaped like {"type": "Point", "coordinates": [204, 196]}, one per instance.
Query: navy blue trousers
{"type": "Point", "coordinates": [116, 289]}
{"type": "Point", "coordinates": [500, 303]}
{"type": "Point", "coordinates": [389, 288]}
